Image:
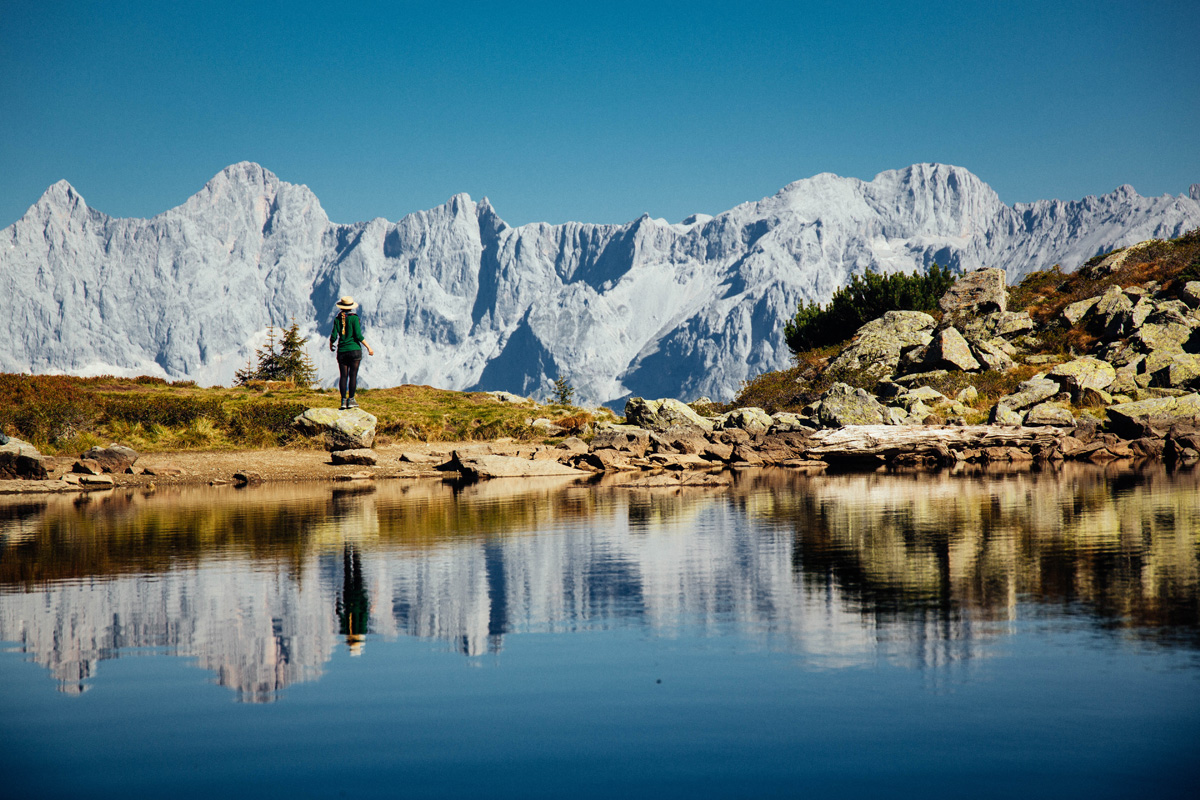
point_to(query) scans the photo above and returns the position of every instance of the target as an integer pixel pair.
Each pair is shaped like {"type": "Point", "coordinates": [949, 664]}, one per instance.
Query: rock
{"type": "Point", "coordinates": [1050, 414]}
{"type": "Point", "coordinates": [877, 346]}
{"type": "Point", "coordinates": [744, 454]}
{"type": "Point", "coordinates": [844, 405]}
{"type": "Point", "coordinates": [968, 395]}
{"type": "Point", "coordinates": [114, 458]}
{"type": "Point", "coordinates": [1095, 398]}
{"type": "Point", "coordinates": [677, 461]}
{"type": "Point", "coordinates": [573, 444]}
{"type": "Point", "coordinates": [509, 397]}
{"type": "Point", "coordinates": [1174, 370]}
{"type": "Point", "coordinates": [662, 414]}
{"type": "Point", "coordinates": [923, 394]}
{"type": "Point", "coordinates": [164, 472]}
{"type": "Point", "coordinates": [1083, 373]}
{"type": "Point", "coordinates": [1003, 415]}
{"type": "Point", "coordinates": [678, 439]}
{"type": "Point", "coordinates": [1162, 336]}
{"type": "Point", "coordinates": [1030, 393]}
{"type": "Point", "coordinates": [979, 292]}
{"type": "Point", "coordinates": [784, 422]}
{"type": "Point", "coordinates": [491, 466]}
{"type": "Point", "coordinates": [86, 466]}
{"type": "Point", "coordinates": [246, 477]}
{"type": "Point", "coordinates": [946, 350]}
{"type": "Point", "coordinates": [96, 480]}
{"type": "Point", "coordinates": [1153, 417]}
{"type": "Point", "coordinates": [361, 457]}
{"type": "Point", "coordinates": [998, 324]}
{"type": "Point", "coordinates": [895, 416]}
{"type": "Point", "coordinates": [71, 478]}
{"type": "Point", "coordinates": [1140, 313]}
{"type": "Point", "coordinates": [717, 451]}
{"type": "Point", "coordinates": [1190, 293]}
{"type": "Point", "coordinates": [752, 420]}
{"type": "Point", "coordinates": [604, 460]}
{"type": "Point", "coordinates": [19, 460]}
{"type": "Point", "coordinates": [422, 458]}
{"type": "Point", "coordinates": [352, 429]}
{"type": "Point", "coordinates": [547, 428]}
{"type": "Point", "coordinates": [1076, 311]}
{"type": "Point", "coordinates": [627, 438]}
{"type": "Point", "coordinates": [1112, 310]}
{"type": "Point", "coordinates": [991, 356]}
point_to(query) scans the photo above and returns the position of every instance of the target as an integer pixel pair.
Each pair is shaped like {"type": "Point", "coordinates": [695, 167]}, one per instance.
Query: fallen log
{"type": "Point", "coordinates": [942, 442]}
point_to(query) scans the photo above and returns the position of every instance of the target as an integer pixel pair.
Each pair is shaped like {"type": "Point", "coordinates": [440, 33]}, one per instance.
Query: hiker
{"type": "Point", "coordinates": [347, 339]}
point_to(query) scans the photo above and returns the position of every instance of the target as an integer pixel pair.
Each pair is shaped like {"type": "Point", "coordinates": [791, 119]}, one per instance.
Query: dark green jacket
{"type": "Point", "coordinates": [353, 332]}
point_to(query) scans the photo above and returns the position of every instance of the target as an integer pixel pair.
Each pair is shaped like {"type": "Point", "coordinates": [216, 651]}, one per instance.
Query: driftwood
{"type": "Point", "coordinates": [942, 441]}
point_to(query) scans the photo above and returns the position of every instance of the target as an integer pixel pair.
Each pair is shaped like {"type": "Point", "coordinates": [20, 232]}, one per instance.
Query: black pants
{"type": "Point", "coordinates": [348, 371]}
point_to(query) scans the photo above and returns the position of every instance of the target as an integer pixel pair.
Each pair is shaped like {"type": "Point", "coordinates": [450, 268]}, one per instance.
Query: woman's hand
{"type": "Point", "coordinates": [370, 352]}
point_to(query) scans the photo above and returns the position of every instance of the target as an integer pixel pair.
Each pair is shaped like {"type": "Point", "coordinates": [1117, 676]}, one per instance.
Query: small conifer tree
{"type": "Point", "coordinates": [282, 359]}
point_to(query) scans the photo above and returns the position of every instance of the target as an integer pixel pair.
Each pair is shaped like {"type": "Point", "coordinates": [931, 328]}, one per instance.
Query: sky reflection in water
{"type": "Point", "coordinates": [847, 633]}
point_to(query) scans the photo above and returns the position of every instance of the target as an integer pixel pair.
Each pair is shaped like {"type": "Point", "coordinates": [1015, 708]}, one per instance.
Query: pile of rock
{"type": "Point", "coordinates": [348, 434]}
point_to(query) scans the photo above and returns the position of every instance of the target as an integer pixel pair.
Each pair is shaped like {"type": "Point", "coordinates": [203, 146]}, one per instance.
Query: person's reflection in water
{"type": "Point", "coordinates": [353, 605]}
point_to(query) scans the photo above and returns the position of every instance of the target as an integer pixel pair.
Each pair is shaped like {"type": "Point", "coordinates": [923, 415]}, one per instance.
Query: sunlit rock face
{"type": "Point", "coordinates": [455, 297]}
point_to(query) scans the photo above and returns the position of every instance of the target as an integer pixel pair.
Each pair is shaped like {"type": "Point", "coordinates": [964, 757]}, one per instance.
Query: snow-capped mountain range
{"type": "Point", "coordinates": [456, 298]}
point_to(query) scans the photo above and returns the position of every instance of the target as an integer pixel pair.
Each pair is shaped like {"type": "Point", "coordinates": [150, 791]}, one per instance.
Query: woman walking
{"type": "Point", "coordinates": [347, 339]}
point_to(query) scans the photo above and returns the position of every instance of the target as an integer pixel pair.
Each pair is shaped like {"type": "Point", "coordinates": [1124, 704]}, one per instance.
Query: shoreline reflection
{"type": "Point", "coordinates": [260, 585]}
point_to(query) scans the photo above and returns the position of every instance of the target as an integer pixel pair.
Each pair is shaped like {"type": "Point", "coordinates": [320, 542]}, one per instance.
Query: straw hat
{"type": "Point", "coordinates": [347, 303]}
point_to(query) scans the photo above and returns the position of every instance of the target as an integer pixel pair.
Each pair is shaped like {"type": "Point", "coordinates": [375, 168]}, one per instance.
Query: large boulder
{"type": "Point", "coordinates": [980, 292]}
{"type": "Point", "coordinates": [659, 415]}
{"type": "Point", "coordinates": [350, 429]}
{"type": "Point", "coordinates": [1154, 417]}
{"type": "Point", "coordinates": [876, 347]}
{"type": "Point", "coordinates": [1174, 370]}
{"type": "Point", "coordinates": [947, 350]}
{"type": "Point", "coordinates": [1050, 414]}
{"type": "Point", "coordinates": [1082, 374]}
{"type": "Point", "coordinates": [624, 438]}
{"type": "Point", "coordinates": [114, 458]}
{"type": "Point", "coordinates": [844, 405]}
{"type": "Point", "coordinates": [21, 460]}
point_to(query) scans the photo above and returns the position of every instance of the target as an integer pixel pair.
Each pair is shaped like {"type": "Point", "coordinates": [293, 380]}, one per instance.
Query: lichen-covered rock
{"type": "Point", "coordinates": [658, 415]}
{"type": "Point", "coordinates": [1003, 415]}
{"type": "Point", "coordinates": [991, 356]}
{"type": "Point", "coordinates": [490, 466]}
{"type": "Point", "coordinates": [624, 438]}
{"type": "Point", "coordinates": [844, 405]}
{"type": "Point", "coordinates": [114, 458]}
{"type": "Point", "coordinates": [786, 422]}
{"type": "Point", "coordinates": [1153, 417]}
{"type": "Point", "coordinates": [1050, 414]}
{"type": "Point", "coordinates": [751, 419]}
{"type": "Point", "coordinates": [1076, 311]}
{"type": "Point", "coordinates": [982, 291]}
{"type": "Point", "coordinates": [1083, 373]}
{"type": "Point", "coordinates": [876, 347]}
{"type": "Point", "coordinates": [1190, 293]}
{"type": "Point", "coordinates": [1030, 393]}
{"type": "Point", "coordinates": [1174, 370]}
{"type": "Point", "coordinates": [1162, 336]}
{"type": "Point", "coordinates": [946, 350]}
{"type": "Point", "coordinates": [351, 429]}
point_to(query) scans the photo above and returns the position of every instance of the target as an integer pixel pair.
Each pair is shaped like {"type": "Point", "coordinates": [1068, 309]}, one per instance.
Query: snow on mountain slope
{"type": "Point", "coordinates": [455, 297]}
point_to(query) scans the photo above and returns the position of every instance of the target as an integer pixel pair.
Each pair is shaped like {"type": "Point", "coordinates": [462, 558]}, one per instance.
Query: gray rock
{"type": "Point", "coordinates": [876, 346]}
{"type": "Point", "coordinates": [1076, 311]}
{"type": "Point", "coordinates": [844, 405]}
{"type": "Point", "coordinates": [362, 457]}
{"type": "Point", "coordinates": [947, 350]}
{"type": "Point", "coordinates": [624, 438]}
{"type": "Point", "coordinates": [751, 420]}
{"type": "Point", "coordinates": [1050, 414]}
{"type": "Point", "coordinates": [1180, 370]}
{"type": "Point", "coordinates": [86, 466]}
{"type": "Point", "coordinates": [1190, 293]}
{"type": "Point", "coordinates": [492, 466]}
{"type": "Point", "coordinates": [547, 428]}
{"type": "Point", "coordinates": [922, 394]}
{"type": "Point", "coordinates": [979, 292]}
{"type": "Point", "coordinates": [1153, 417]}
{"type": "Point", "coordinates": [1003, 415]}
{"type": "Point", "coordinates": [114, 458]}
{"type": "Point", "coordinates": [1083, 373]}
{"type": "Point", "coordinates": [246, 477]}
{"type": "Point", "coordinates": [1162, 336]}
{"type": "Point", "coordinates": [658, 415]}
{"type": "Point", "coordinates": [786, 422]}
{"type": "Point", "coordinates": [352, 429]}
{"type": "Point", "coordinates": [991, 356]}
{"type": "Point", "coordinates": [1031, 392]}
{"type": "Point", "coordinates": [509, 397]}
{"type": "Point", "coordinates": [19, 460]}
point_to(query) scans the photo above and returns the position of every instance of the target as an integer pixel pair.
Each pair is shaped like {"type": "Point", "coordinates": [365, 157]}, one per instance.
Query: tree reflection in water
{"type": "Point", "coordinates": [841, 568]}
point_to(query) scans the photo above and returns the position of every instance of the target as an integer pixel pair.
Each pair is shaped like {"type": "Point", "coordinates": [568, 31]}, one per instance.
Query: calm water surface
{"type": "Point", "coordinates": [905, 636]}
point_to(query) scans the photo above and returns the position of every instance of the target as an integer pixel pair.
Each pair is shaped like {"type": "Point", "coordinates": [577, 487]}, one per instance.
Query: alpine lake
{"type": "Point", "coordinates": [979, 634]}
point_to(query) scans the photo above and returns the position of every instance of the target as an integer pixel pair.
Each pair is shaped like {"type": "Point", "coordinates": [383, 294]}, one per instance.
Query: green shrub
{"type": "Point", "coordinates": [171, 411]}
{"type": "Point", "coordinates": [263, 420]}
{"type": "Point", "coordinates": [44, 409]}
{"type": "Point", "coordinates": [862, 300]}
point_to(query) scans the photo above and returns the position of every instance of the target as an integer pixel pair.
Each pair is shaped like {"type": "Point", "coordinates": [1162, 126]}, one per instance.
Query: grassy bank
{"type": "Point", "coordinates": [61, 414]}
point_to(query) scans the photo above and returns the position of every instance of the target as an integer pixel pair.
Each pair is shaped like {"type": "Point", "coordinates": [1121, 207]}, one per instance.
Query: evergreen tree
{"type": "Point", "coordinates": [284, 359]}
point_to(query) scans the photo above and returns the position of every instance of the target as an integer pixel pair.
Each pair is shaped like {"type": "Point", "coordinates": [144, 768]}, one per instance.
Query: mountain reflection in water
{"type": "Point", "coordinates": [261, 585]}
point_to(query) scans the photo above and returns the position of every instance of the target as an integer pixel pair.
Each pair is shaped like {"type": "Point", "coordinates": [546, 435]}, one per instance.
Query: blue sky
{"type": "Point", "coordinates": [593, 112]}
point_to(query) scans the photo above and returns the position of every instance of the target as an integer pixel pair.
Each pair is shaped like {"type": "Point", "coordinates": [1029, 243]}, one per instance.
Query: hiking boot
{"type": "Point", "coordinates": [351, 403]}
{"type": "Point", "coordinates": [343, 406]}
